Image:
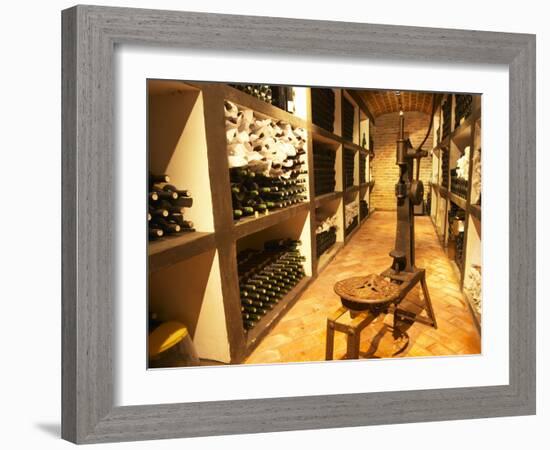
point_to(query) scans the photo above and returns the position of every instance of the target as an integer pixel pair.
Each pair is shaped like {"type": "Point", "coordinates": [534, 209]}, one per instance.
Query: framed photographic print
{"type": "Point", "coordinates": [266, 230]}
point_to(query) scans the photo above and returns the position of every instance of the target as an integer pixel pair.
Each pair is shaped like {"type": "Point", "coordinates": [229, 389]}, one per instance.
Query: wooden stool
{"type": "Point", "coordinates": [360, 319]}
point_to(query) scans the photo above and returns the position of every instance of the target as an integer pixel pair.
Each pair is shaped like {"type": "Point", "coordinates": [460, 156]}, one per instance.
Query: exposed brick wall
{"type": "Point", "coordinates": [384, 169]}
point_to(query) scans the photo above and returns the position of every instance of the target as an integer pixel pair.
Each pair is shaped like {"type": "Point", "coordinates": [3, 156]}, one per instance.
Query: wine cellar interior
{"type": "Point", "coordinates": [262, 198]}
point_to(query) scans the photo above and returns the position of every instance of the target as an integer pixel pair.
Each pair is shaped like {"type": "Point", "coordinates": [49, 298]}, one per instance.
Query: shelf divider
{"type": "Point", "coordinates": [459, 201]}
{"type": "Point", "coordinates": [322, 199]}
{"type": "Point", "coordinates": [251, 224]}
{"type": "Point", "coordinates": [475, 211]}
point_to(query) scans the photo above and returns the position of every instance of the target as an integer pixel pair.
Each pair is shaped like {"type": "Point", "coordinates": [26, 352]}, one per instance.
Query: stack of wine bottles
{"type": "Point", "coordinates": [459, 186]}
{"type": "Point", "coordinates": [165, 209]}
{"type": "Point", "coordinates": [324, 172]}
{"type": "Point", "coordinates": [351, 215]}
{"type": "Point", "coordinates": [446, 118]}
{"type": "Point", "coordinates": [349, 167]}
{"type": "Point", "coordinates": [322, 108]}
{"type": "Point", "coordinates": [262, 92]}
{"type": "Point", "coordinates": [362, 168]}
{"type": "Point", "coordinates": [456, 217]}
{"type": "Point", "coordinates": [363, 209]}
{"type": "Point", "coordinates": [267, 159]}
{"type": "Point", "coordinates": [253, 193]}
{"type": "Point", "coordinates": [266, 276]}
{"type": "Point", "coordinates": [283, 97]}
{"type": "Point", "coordinates": [348, 119]}
{"type": "Point", "coordinates": [463, 107]}
{"type": "Point", "coordinates": [325, 233]}
{"type": "Point", "coordinates": [472, 285]}
{"type": "Point", "coordinates": [280, 96]}
{"type": "Point", "coordinates": [445, 168]}
{"type": "Point", "coordinates": [324, 240]}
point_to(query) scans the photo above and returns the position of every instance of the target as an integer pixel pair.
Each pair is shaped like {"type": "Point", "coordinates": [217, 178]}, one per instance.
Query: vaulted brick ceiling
{"type": "Point", "coordinates": [382, 102]}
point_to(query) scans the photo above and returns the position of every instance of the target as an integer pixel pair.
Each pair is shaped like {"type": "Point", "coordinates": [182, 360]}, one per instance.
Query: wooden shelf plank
{"type": "Point", "coordinates": [173, 249]}
{"type": "Point", "coordinates": [462, 136]}
{"type": "Point", "coordinates": [264, 326]}
{"type": "Point", "coordinates": [459, 201]}
{"type": "Point", "coordinates": [353, 188]}
{"type": "Point", "coordinates": [443, 192]}
{"type": "Point", "coordinates": [352, 146]}
{"type": "Point", "coordinates": [320, 134]}
{"type": "Point", "coordinates": [321, 199]}
{"type": "Point", "coordinates": [250, 102]}
{"type": "Point", "coordinates": [475, 211]}
{"type": "Point", "coordinates": [253, 224]}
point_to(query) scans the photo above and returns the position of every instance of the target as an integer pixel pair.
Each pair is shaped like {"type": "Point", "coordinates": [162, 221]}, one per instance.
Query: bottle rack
{"type": "Point", "coordinates": [334, 211]}
{"type": "Point", "coordinates": [194, 278]}
{"type": "Point", "coordinates": [348, 120]}
{"type": "Point", "coordinates": [324, 162]}
{"type": "Point", "coordinates": [362, 168]}
{"type": "Point", "coordinates": [349, 168]}
{"type": "Point", "coordinates": [461, 125]}
{"type": "Point", "coordinates": [323, 107]}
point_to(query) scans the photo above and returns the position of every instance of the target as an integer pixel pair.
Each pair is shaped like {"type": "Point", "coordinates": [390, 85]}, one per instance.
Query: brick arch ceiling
{"type": "Point", "coordinates": [382, 102]}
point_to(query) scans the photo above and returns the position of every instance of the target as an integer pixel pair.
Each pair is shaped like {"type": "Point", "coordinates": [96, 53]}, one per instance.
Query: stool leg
{"type": "Point", "coordinates": [428, 300]}
{"type": "Point", "coordinates": [330, 341]}
{"type": "Point", "coordinates": [353, 345]}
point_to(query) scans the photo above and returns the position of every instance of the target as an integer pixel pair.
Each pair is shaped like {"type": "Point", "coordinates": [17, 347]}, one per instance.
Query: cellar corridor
{"type": "Point", "coordinates": [300, 334]}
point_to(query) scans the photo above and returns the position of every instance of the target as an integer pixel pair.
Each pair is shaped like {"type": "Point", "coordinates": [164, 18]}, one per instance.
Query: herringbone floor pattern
{"type": "Point", "coordinates": [300, 335]}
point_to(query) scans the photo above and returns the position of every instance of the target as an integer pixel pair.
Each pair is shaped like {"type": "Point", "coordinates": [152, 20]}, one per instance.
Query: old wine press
{"type": "Point", "coordinates": [366, 297]}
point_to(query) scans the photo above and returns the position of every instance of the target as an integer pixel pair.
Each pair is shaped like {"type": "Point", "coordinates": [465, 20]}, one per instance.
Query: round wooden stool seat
{"type": "Point", "coordinates": [371, 292]}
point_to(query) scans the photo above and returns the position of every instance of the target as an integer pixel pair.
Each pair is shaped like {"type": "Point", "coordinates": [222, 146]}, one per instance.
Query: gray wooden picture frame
{"type": "Point", "coordinates": [90, 34]}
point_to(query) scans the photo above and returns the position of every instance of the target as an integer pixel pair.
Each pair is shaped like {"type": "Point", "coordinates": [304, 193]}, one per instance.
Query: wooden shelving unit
{"type": "Point", "coordinates": [352, 189]}
{"type": "Point", "coordinates": [466, 134]}
{"type": "Point", "coordinates": [321, 199]}
{"type": "Point", "coordinates": [475, 211]}
{"type": "Point", "coordinates": [253, 224]}
{"type": "Point", "coordinates": [170, 251]}
{"type": "Point", "coordinates": [187, 140]}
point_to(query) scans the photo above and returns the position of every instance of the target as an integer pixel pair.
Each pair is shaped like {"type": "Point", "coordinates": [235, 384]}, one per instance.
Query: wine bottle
{"type": "Point", "coordinates": [153, 179]}
{"type": "Point", "coordinates": [166, 195]}
{"type": "Point", "coordinates": [183, 202]}
{"type": "Point", "coordinates": [158, 212]}
{"type": "Point", "coordinates": [166, 226]}
{"type": "Point", "coordinates": [155, 233]}
{"type": "Point", "coordinates": [180, 192]}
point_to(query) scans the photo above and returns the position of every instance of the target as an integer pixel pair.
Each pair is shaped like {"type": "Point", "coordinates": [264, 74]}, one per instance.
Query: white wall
{"type": "Point", "coordinates": [30, 282]}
